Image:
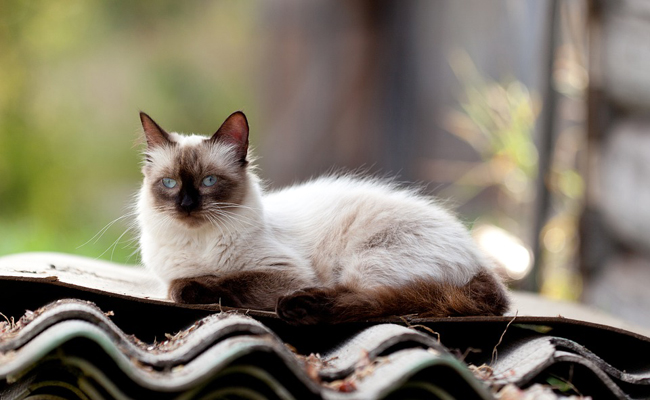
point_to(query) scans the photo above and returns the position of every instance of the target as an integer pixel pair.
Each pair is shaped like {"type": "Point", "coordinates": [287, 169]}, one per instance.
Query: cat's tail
{"type": "Point", "coordinates": [484, 294]}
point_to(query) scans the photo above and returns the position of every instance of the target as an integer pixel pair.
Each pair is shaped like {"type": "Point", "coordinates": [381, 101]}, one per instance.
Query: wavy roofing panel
{"type": "Point", "coordinates": [119, 342]}
{"type": "Point", "coordinates": [75, 335]}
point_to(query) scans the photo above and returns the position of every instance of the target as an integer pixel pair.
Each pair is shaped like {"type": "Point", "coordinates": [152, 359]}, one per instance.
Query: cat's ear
{"type": "Point", "coordinates": [234, 130]}
{"type": "Point", "coordinates": [156, 136]}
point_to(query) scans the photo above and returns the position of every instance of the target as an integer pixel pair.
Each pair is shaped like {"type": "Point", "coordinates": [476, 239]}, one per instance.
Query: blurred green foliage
{"type": "Point", "coordinates": [498, 121]}
{"type": "Point", "coordinates": [73, 76]}
{"type": "Point", "coordinates": [496, 118]}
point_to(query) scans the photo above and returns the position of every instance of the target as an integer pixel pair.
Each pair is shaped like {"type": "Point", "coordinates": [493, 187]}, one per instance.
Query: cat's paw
{"type": "Point", "coordinates": [305, 307]}
{"type": "Point", "coordinates": [187, 291]}
{"type": "Point", "coordinates": [200, 290]}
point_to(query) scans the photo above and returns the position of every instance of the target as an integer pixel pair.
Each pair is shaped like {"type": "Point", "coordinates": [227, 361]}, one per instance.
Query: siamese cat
{"type": "Point", "coordinates": [331, 250]}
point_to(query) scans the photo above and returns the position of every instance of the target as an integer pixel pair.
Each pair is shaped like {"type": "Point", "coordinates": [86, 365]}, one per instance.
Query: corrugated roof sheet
{"type": "Point", "coordinates": [77, 336]}
{"type": "Point", "coordinates": [121, 341]}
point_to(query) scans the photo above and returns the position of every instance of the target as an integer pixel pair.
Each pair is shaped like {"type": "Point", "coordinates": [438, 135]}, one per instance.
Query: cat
{"type": "Point", "coordinates": [335, 249]}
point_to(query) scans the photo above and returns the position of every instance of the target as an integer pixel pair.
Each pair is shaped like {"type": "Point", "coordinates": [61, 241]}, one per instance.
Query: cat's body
{"type": "Point", "coordinates": [334, 249]}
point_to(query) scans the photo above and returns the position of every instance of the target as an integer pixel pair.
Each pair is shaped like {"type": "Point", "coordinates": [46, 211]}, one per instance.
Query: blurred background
{"type": "Point", "coordinates": [527, 116]}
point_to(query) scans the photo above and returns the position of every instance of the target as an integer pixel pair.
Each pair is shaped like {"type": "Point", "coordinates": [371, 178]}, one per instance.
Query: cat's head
{"type": "Point", "coordinates": [196, 179]}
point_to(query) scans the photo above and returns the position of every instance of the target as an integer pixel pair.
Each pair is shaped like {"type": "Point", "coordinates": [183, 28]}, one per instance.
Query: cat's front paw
{"type": "Point", "coordinates": [305, 307]}
{"type": "Point", "coordinates": [200, 290]}
{"type": "Point", "coordinates": [187, 291]}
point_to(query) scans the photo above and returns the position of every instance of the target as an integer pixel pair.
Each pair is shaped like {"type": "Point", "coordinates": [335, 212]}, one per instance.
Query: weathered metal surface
{"type": "Point", "coordinates": [116, 344]}
{"type": "Point", "coordinates": [523, 360]}
{"type": "Point", "coordinates": [108, 284]}
{"type": "Point", "coordinates": [78, 335]}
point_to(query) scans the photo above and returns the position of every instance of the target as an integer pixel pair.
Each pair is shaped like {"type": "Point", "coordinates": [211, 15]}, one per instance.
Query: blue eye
{"type": "Point", "coordinates": [209, 180]}
{"type": "Point", "coordinates": [169, 182]}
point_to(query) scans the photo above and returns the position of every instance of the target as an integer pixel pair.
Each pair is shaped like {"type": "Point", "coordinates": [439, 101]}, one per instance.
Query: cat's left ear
{"type": "Point", "coordinates": [234, 130]}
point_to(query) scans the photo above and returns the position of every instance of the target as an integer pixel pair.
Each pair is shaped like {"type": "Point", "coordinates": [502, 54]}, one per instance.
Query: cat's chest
{"type": "Point", "coordinates": [203, 248]}
{"type": "Point", "coordinates": [177, 256]}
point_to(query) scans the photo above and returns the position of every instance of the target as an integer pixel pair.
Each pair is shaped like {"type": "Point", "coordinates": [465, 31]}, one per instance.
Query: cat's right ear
{"type": "Point", "coordinates": [156, 136]}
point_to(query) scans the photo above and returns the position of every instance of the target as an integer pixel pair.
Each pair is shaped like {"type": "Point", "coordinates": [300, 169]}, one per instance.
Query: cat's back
{"type": "Point", "coordinates": [335, 218]}
{"type": "Point", "coordinates": [330, 195]}
{"type": "Point", "coordinates": [327, 197]}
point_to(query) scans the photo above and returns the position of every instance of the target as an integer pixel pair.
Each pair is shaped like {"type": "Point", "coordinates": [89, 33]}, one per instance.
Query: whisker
{"type": "Point", "coordinates": [102, 231]}
{"type": "Point", "coordinates": [114, 244]}
{"type": "Point", "coordinates": [236, 205]}
{"type": "Point", "coordinates": [132, 254]}
{"type": "Point", "coordinates": [118, 241]}
{"type": "Point", "coordinates": [235, 221]}
{"type": "Point", "coordinates": [239, 218]}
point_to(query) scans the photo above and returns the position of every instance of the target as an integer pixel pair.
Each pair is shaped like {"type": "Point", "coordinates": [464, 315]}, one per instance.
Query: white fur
{"type": "Point", "coordinates": [320, 229]}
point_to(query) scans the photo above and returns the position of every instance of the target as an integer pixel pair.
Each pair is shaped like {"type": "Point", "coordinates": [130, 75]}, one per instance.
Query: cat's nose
{"type": "Point", "coordinates": [188, 203]}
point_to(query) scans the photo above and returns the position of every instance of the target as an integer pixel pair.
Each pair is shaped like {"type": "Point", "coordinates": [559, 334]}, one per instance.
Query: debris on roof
{"type": "Point", "coordinates": [123, 341]}
{"type": "Point", "coordinates": [70, 340]}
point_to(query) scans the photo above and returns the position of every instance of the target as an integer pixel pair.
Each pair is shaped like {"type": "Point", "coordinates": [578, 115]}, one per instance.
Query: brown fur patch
{"type": "Point", "coordinates": [247, 289]}
{"type": "Point", "coordinates": [385, 238]}
{"type": "Point", "coordinates": [483, 295]}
